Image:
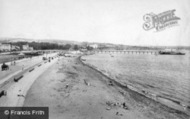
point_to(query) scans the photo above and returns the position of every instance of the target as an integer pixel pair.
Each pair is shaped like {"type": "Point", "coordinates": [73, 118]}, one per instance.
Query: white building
{"type": "Point", "coordinates": [95, 46]}
{"type": "Point", "coordinates": [25, 47]}
{"type": "Point", "coordinates": [5, 47]}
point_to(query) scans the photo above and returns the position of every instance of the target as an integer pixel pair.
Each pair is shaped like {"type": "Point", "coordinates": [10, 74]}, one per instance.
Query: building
{"type": "Point", "coordinates": [25, 47]}
{"type": "Point", "coordinates": [83, 49]}
{"type": "Point", "coordinates": [5, 47]}
{"type": "Point", "coordinates": [8, 47]}
{"type": "Point", "coordinates": [94, 46]}
{"type": "Point", "coordinates": [15, 48]}
{"type": "Point", "coordinates": [31, 48]}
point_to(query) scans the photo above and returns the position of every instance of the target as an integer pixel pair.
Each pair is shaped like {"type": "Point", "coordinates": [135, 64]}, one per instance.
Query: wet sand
{"type": "Point", "coordinates": [73, 90]}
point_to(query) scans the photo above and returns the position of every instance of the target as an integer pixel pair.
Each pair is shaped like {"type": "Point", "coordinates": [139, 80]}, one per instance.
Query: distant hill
{"type": "Point", "coordinates": [7, 40]}
{"type": "Point", "coordinates": [115, 46]}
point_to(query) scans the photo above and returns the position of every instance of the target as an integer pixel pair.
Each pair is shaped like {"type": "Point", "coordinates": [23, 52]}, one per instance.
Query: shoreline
{"type": "Point", "coordinates": [72, 89]}
{"type": "Point", "coordinates": [155, 99]}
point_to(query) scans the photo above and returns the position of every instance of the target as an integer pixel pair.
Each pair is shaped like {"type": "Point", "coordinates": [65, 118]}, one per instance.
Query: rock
{"type": "Point", "coordinates": [108, 108]}
{"type": "Point", "coordinates": [67, 85]}
{"type": "Point", "coordinates": [117, 103]}
{"type": "Point", "coordinates": [123, 93]}
{"type": "Point", "coordinates": [188, 107]}
{"type": "Point", "coordinates": [109, 103]}
{"type": "Point", "coordinates": [117, 113]}
{"type": "Point", "coordinates": [20, 95]}
{"type": "Point", "coordinates": [85, 81]}
{"type": "Point", "coordinates": [110, 83]}
{"type": "Point", "coordinates": [3, 93]}
{"type": "Point", "coordinates": [125, 106]}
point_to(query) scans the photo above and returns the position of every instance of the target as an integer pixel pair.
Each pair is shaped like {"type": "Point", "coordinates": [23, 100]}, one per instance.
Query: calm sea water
{"type": "Point", "coordinates": [164, 75]}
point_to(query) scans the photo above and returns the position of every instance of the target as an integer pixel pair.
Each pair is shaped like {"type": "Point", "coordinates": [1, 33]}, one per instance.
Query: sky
{"type": "Point", "coordinates": [105, 21]}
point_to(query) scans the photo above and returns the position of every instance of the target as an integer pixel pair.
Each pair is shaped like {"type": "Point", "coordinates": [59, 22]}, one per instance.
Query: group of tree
{"type": "Point", "coordinates": [52, 46]}
{"type": "Point", "coordinates": [43, 45]}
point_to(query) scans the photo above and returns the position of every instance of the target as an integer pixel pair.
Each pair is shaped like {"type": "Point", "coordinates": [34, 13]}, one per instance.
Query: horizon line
{"type": "Point", "coordinates": [35, 39]}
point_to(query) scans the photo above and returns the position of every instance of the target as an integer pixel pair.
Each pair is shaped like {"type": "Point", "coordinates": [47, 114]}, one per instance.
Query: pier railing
{"type": "Point", "coordinates": [127, 51]}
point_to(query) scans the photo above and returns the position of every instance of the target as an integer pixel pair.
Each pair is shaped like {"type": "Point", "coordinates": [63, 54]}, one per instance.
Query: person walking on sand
{"type": "Point", "coordinates": [22, 67]}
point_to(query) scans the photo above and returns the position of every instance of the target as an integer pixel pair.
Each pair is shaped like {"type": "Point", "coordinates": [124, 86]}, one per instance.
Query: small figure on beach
{"type": "Point", "coordinates": [3, 93]}
{"type": "Point", "coordinates": [20, 94]}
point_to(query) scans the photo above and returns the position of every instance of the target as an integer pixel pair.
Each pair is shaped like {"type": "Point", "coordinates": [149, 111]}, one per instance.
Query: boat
{"type": "Point", "coordinates": [170, 52]}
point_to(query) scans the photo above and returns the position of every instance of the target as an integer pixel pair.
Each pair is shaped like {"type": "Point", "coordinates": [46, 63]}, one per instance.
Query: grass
{"type": "Point", "coordinates": [8, 58]}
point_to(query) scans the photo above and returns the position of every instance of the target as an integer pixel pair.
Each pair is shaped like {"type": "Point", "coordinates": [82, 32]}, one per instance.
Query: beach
{"type": "Point", "coordinates": [71, 89]}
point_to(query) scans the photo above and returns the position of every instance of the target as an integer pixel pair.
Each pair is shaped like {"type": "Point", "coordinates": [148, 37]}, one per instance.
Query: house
{"type": "Point", "coordinates": [15, 48]}
{"type": "Point", "coordinates": [75, 52]}
{"type": "Point", "coordinates": [31, 48]}
{"type": "Point", "coordinates": [25, 47]}
{"type": "Point", "coordinates": [5, 47]}
{"type": "Point", "coordinates": [94, 46]}
{"type": "Point", "coordinates": [83, 49]}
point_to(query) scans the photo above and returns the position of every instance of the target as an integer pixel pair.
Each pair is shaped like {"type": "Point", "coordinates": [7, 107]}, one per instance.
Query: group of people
{"type": "Point", "coordinates": [4, 67]}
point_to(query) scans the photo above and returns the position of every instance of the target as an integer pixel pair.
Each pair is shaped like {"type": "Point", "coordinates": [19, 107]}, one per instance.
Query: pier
{"type": "Point", "coordinates": [127, 51]}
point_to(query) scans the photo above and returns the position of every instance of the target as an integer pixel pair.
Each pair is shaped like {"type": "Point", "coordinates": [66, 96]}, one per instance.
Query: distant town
{"type": "Point", "coordinates": [10, 45]}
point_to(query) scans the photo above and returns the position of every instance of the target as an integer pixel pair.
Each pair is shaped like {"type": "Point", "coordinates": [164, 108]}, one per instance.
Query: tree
{"type": "Point", "coordinates": [89, 48]}
{"type": "Point", "coordinates": [67, 47]}
{"type": "Point", "coordinates": [76, 47]}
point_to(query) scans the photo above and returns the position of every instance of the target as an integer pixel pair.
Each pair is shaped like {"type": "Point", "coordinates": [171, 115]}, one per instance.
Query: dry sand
{"type": "Point", "coordinates": [72, 90]}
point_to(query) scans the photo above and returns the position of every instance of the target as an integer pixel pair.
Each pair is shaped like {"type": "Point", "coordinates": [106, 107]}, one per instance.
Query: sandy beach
{"type": "Point", "coordinates": [73, 90]}
{"type": "Point", "coordinates": [95, 59]}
